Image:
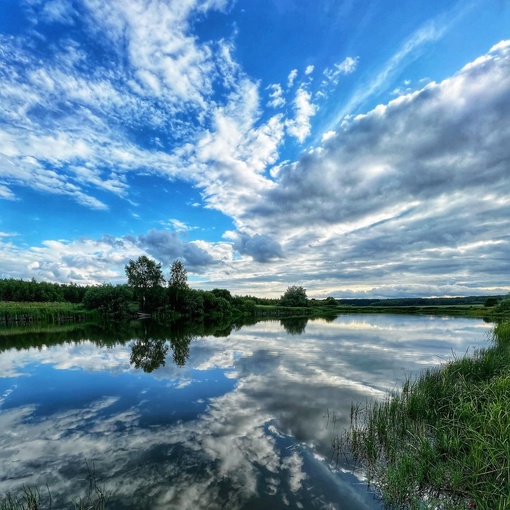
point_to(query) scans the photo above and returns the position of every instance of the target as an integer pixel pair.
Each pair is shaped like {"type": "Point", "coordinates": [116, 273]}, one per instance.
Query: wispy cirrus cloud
{"type": "Point", "coordinates": [430, 32]}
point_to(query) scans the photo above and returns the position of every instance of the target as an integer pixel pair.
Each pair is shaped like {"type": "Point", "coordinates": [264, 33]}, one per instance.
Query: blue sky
{"type": "Point", "coordinates": [355, 148]}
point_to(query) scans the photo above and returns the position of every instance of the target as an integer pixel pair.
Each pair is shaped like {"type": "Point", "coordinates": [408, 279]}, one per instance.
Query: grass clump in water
{"type": "Point", "coordinates": [29, 498]}
{"type": "Point", "coordinates": [443, 441]}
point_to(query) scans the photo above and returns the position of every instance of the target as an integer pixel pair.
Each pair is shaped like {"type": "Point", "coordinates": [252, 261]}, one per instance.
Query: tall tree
{"type": "Point", "coordinates": [143, 274]}
{"type": "Point", "coordinates": [179, 293]}
{"type": "Point", "coordinates": [178, 276]}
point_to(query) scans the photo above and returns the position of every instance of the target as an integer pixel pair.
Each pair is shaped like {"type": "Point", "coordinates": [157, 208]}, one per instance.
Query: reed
{"type": "Point", "coordinates": [15, 313]}
{"type": "Point", "coordinates": [30, 498]}
{"type": "Point", "coordinates": [443, 440]}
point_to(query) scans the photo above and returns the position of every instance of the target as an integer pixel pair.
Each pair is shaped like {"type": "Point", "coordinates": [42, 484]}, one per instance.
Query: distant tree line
{"type": "Point", "coordinates": [31, 291]}
{"type": "Point", "coordinates": [442, 301]}
{"type": "Point", "coordinates": [148, 291]}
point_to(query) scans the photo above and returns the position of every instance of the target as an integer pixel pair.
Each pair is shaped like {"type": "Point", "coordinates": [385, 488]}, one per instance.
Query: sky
{"type": "Point", "coordinates": [357, 149]}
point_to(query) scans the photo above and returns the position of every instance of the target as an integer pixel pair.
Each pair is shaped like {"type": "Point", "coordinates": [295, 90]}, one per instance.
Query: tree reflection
{"type": "Point", "coordinates": [294, 326]}
{"type": "Point", "coordinates": [180, 346]}
{"type": "Point", "coordinates": [149, 340]}
{"type": "Point", "coordinates": [148, 354]}
{"type": "Point", "coordinates": [149, 350]}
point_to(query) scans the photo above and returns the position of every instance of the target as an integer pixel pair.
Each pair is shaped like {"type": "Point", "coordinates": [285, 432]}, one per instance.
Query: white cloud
{"type": "Point", "coordinates": [6, 193]}
{"type": "Point", "coordinates": [179, 226]}
{"type": "Point", "coordinates": [71, 123]}
{"type": "Point", "coordinates": [74, 130]}
{"type": "Point", "coordinates": [347, 66]}
{"type": "Point", "coordinates": [291, 78]}
{"type": "Point", "coordinates": [300, 126]}
{"type": "Point", "coordinates": [410, 50]}
{"type": "Point", "coordinates": [371, 202]}
{"type": "Point", "coordinates": [277, 100]}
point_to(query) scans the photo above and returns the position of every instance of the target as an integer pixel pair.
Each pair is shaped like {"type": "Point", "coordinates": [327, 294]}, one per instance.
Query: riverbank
{"type": "Point", "coordinates": [25, 314]}
{"type": "Point", "coordinates": [442, 441]}
{"type": "Point", "coordinates": [321, 310]}
{"type": "Point", "coordinates": [41, 313]}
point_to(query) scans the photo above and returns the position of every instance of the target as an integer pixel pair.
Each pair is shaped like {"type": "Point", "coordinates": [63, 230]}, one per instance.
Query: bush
{"type": "Point", "coordinates": [490, 301]}
{"type": "Point", "coordinates": [504, 306]}
{"type": "Point", "coordinates": [294, 296]}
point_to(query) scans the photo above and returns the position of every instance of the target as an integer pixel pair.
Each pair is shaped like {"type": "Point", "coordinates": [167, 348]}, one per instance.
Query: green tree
{"type": "Point", "coordinates": [144, 274]}
{"type": "Point", "coordinates": [223, 293]}
{"type": "Point", "coordinates": [294, 296]}
{"type": "Point", "coordinates": [504, 306]}
{"type": "Point", "coordinates": [178, 276]}
{"type": "Point", "coordinates": [491, 301]}
{"type": "Point", "coordinates": [109, 300]}
{"type": "Point", "coordinates": [330, 301]}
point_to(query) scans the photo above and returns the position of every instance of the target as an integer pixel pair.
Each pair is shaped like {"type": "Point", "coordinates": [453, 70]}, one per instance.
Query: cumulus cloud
{"type": "Point", "coordinates": [73, 128]}
{"type": "Point", "coordinates": [231, 157]}
{"type": "Point", "coordinates": [417, 186]}
{"type": "Point", "coordinates": [137, 93]}
{"type": "Point", "coordinates": [95, 261]}
{"type": "Point", "coordinates": [261, 247]}
{"type": "Point", "coordinates": [167, 246]}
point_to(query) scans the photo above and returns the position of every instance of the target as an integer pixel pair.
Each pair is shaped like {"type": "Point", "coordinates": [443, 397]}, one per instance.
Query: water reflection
{"type": "Point", "coordinates": [235, 422]}
{"type": "Point", "coordinates": [295, 326]}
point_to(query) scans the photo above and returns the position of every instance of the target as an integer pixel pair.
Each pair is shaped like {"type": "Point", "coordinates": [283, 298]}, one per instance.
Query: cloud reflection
{"type": "Point", "coordinates": [165, 440]}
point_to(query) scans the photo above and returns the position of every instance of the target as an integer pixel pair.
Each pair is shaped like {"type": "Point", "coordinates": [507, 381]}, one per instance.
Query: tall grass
{"type": "Point", "coordinates": [29, 498]}
{"type": "Point", "coordinates": [27, 313]}
{"type": "Point", "coordinates": [443, 441]}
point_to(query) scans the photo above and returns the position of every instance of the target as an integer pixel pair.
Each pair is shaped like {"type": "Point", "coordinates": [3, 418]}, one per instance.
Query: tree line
{"type": "Point", "coordinates": [148, 291]}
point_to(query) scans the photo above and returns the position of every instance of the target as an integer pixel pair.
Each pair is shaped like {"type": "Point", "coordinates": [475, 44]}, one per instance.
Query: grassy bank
{"type": "Point", "coordinates": [30, 313]}
{"type": "Point", "coordinates": [443, 441]}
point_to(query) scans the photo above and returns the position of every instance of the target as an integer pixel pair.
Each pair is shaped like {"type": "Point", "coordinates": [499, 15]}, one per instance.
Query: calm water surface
{"type": "Point", "coordinates": [243, 421]}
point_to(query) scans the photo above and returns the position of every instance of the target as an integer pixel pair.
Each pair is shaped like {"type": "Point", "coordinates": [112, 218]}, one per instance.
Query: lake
{"type": "Point", "coordinates": [168, 420]}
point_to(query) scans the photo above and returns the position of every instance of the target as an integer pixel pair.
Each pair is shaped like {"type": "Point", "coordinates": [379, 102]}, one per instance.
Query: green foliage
{"type": "Point", "coordinates": [442, 441]}
{"type": "Point", "coordinates": [30, 291]}
{"type": "Point", "coordinates": [27, 313]}
{"type": "Point", "coordinates": [143, 274]}
{"type": "Point", "coordinates": [108, 299]}
{"type": "Point", "coordinates": [490, 301]}
{"type": "Point", "coordinates": [223, 293]}
{"type": "Point", "coordinates": [330, 301]}
{"type": "Point", "coordinates": [244, 305]}
{"type": "Point", "coordinates": [504, 306]}
{"type": "Point", "coordinates": [215, 306]}
{"type": "Point", "coordinates": [294, 296]}
{"type": "Point", "coordinates": [178, 276]}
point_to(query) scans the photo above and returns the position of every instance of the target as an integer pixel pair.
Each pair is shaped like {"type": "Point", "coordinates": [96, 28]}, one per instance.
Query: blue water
{"type": "Point", "coordinates": [246, 423]}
